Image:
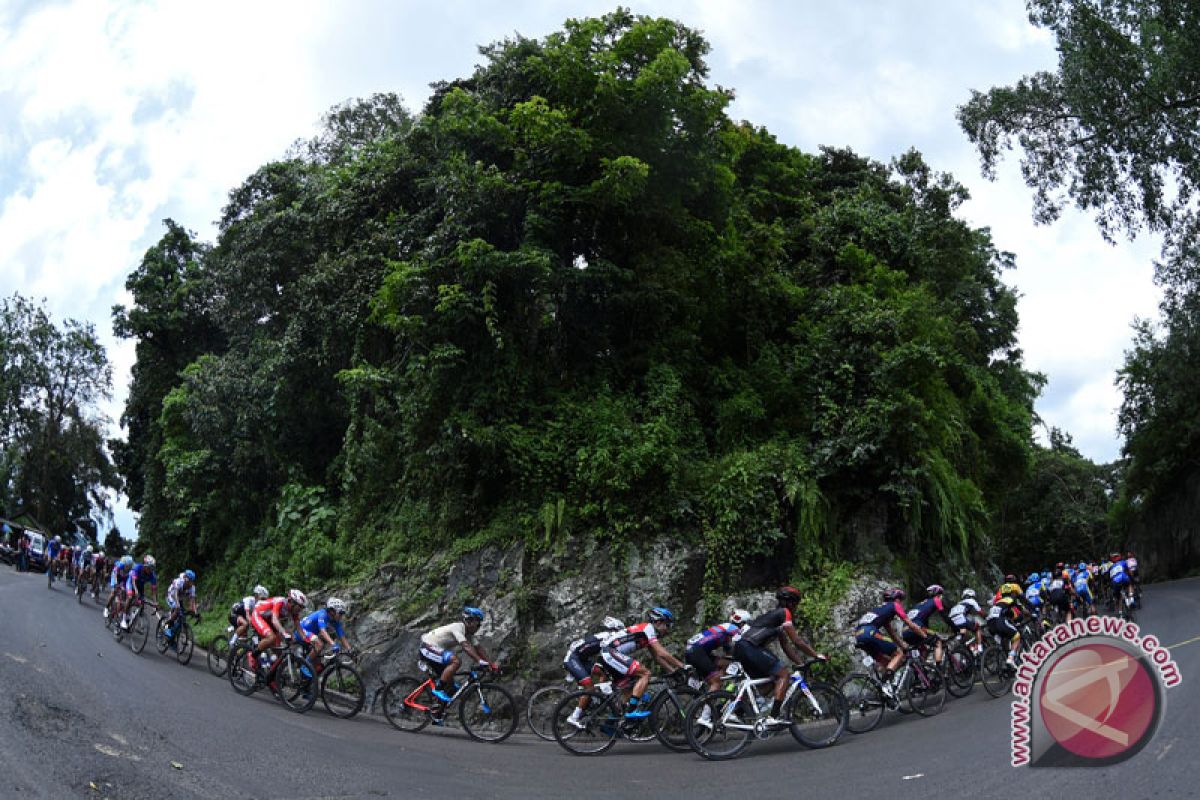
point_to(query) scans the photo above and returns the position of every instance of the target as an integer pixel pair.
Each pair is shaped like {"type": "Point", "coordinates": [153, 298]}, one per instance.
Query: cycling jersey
{"type": "Point", "coordinates": [438, 645]}
{"type": "Point", "coordinates": [1118, 573]}
{"type": "Point", "coordinates": [276, 607]}
{"type": "Point", "coordinates": [716, 636]}
{"type": "Point", "coordinates": [118, 576]}
{"type": "Point", "coordinates": [139, 576]}
{"type": "Point", "coordinates": [922, 612]}
{"type": "Point", "coordinates": [766, 627]}
{"type": "Point", "coordinates": [175, 588]}
{"type": "Point", "coordinates": [1081, 583]}
{"type": "Point", "coordinates": [883, 615]}
{"type": "Point", "coordinates": [960, 612]}
{"type": "Point", "coordinates": [1131, 564]}
{"type": "Point", "coordinates": [318, 621]}
{"type": "Point", "coordinates": [581, 654]}
{"type": "Point", "coordinates": [635, 637]}
{"type": "Point", "coordinates": [1034, 594]}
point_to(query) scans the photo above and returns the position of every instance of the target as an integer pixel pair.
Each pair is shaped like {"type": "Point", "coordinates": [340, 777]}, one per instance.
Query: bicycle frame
{"type": "Point", "coordinates": [410, 700]}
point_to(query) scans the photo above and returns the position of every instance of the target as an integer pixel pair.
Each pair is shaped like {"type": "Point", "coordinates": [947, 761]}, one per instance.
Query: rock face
{"type": "Point", "coordinates": [1166, 537]}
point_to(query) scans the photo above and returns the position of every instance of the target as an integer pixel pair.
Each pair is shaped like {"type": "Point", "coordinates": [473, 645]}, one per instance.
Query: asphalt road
{"type": "Point", "coordinates": [82, 716]}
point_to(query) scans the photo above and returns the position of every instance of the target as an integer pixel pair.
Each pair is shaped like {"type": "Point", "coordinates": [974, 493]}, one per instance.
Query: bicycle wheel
{"type": "Point", "coordinates": [407, 703]}
{"type": "Point", "coordinates": [993, 670]}
{"type": "Point", "coordinates": [594, 730]}
{"type": "Point", "coordinates": [488, 713]}
{"type": "Point", "coordinates": [139, 631]}
{"type": "Point", "coordinates": [295, 685]}
{"type": "Point", "coordinates": [242, 676]}
{"type": "Point", "coordinates": [960, 671]}
{"type": "Point", "coordinates": [218, 655]}
{"type": "Point", "coordinates": [819, 717]}
{"type": "Point", "coordinates": [161, 642]}
{"type": "Point", "coordinates": [667, 717]}
{"type": "Point", "coordinates": [184, 644]}
{"type": "Point", "coordinates": [864, 702]}
{"type": "Point", "coordinates": [539, 710]}
{"type": "Point", "coordinates": [927, 689]}
{"type": "Point", "coordinates": [342, 690]}
{"type": "Point", "coordinates": [714, 729]}
{"type": "Point", "coordinates": [78, 591]}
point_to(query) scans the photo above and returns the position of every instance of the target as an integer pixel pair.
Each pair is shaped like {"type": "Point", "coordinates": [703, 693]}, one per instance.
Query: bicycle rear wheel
{"type": "Point", "coordinates": [184, 644]}
{"type": "Point", "coordinates": [596, 728]}
{"type": "Point", "coordinates": [342, 690]}
{"type": "Point", "coordinates": [218, 656]}
{"type": "Point", "coordinates": [667, 714]}
{"type": "Point", "coordinates": [994, 672]}
{"type": "Point", "coordinates": [818, 718]}
{"type": "Point", "coordinates": [161, 642]}
{"type": "Point", "coordinates": [864, 702]}
{"type": "Point", "coordinates": [407, 703]}
{"type": "Point", "coordinates": [488, 712]}
{"type": "Point", "coordinates": [960, 671]}
{"type": "Point", "coordinates": [539, 710]}
{"type": "Point", "coordinates": [714, 728]}
{"type": "Point", "coordinates": [927, 689]}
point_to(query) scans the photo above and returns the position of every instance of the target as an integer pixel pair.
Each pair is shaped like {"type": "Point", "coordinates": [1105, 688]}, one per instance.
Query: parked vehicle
{"type": "Point", "coordinates": [37, 552]}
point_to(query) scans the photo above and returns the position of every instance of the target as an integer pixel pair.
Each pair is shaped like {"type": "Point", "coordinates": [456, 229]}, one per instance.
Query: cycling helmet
{"type": "Point", "coordinates": [968, 594]}
{"type": "Point", "coordinates": [1046, 575]}
{"type": "Point", "coordinates": [740, 616]}
{"type": "Point", "coordinates": [1059, 565]}
{"type": "Point", "coordinates": [933, 590]}
{"type": "Point", "coordinates": [190, 575]}
{"type": "Point", "coordinates": [89, 549]}
{"type": "Point", "coordinates": [613, 624]}
{"type": "Point", "coordinates": [893, 595]}
{"type": "Point", "coordinates": [298, 597]}
{"type": "Point", "coordinates": [127, 561]}
{"type": "Point", "coordinates": [1033, 578]}
{"type": "Point", "coordinates": [334, 604]}
{"type": "Point", "coordinates": [58, 539]}
{"type": "Point", "coordinates": [261, 592]}
{"type": "Point", "coordinates": [100, 554]}
{"type": "Point", "coordinates": [1129, 555]}
{"type": "Point", "coordinates": [470, 612]}
{"type": "Point", "coordinates": [149, 561]}
{"type": "Point", "coordinates": [788, 594]}
{"type": "Point", "coordinates": [660, 614]}
{"type": "Point", "coordinates": [1083, 565]}
{"type": "Point", "coordinates": [1010, 578]}
{"type": "Point", "coordinates": [1010, 589]}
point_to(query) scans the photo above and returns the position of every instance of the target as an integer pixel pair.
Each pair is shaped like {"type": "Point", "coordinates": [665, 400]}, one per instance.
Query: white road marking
{"type": "Point", "coordinates": [17, 659]}
{"type": "Point", "coordinates": [115, 753]}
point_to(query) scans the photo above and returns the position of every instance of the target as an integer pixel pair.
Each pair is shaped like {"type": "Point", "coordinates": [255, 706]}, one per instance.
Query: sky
{"type": "Point", "coordinates": [116, 115]}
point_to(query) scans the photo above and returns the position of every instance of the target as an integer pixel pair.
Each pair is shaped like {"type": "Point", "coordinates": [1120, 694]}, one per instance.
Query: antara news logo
{"type": "Point", "coordinates": [1090, 693]}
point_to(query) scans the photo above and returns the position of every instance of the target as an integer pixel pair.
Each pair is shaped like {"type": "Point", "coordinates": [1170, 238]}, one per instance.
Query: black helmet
{"type": "Point", "coordinates": [894, 595]}
{"type": "Point", "coordinates": [788, 595]}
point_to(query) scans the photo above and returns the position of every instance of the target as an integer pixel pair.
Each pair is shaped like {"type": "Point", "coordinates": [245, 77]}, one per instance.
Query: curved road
{"type": "Point", "coordinates": [81, 716]}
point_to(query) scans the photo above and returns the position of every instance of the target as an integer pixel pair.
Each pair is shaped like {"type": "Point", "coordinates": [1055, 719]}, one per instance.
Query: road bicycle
{"type": "Point", "coordinates": [539, 708]}
{"type": "Point", "coordinates": [720, 725]}
{"type": "Point", "coordinates": [959, 665]}
{"type": "Point", "coordinates": [218, 652]}
{"type": "Point", "coordinates": [288, 675]}
{"type": "Point", "coordinates": [83, 583]}
{"type": "Point", "coordinates": [339, 682]}
{"type": "Point", "coordinates": [488, 712]}
{"type": "Point", "coordinates": [918, 686]}
{"type": "Point", "coordinates": [138, 629]}
{"type": "Point", "coordinates": [176, 636]}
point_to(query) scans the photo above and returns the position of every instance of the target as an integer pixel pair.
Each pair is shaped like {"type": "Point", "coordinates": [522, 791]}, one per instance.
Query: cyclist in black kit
{"type": "Point", "coordinates": [750, 648]}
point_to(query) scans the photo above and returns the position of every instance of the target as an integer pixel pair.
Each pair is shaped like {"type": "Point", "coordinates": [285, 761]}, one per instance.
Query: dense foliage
{"type": "Point", "coordinates": [572, 298]}
{"type": "Point", "coordinates": [53, 460]}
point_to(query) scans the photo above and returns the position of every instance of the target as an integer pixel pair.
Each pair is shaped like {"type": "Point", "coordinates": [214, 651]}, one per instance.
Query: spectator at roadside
{"type": "Point", "coordinates": [23, 555]}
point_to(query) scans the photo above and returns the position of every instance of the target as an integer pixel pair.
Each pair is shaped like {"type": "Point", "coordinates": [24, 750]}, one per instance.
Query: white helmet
{"type": "Point", "coordinates": [261, 592]}
{"type": "Point", "coordinates": [740, 616]}
{"type": "Point", "coordinates": [89, 548]}
{"type": "Point", "coordinates": [335, 604]}
{"type": "Point", "coordinates": [613, 624]}
{"type": "Point", "coordinates": [968, 594]}
{"type": "Point", "coordinates": [100, 554]}
{"type": "Point", "coordinates": [298, 597]}
{"type": "Point", "coordinates": [149, 561]}
{"type": "Point", "coordinates": [58, 539]}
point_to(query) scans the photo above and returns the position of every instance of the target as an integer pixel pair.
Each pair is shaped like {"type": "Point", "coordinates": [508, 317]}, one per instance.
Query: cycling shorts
{"type": "Point", "coordinates": [912, 639]}
{"type": "Point", "coordinates": [435, 656]}
{"type": "Point", "coordinates": [617, 663]}
{"type": "Point", "coordinates": [1059, 598]}
{"type": "Point", "coordinates": [579, 667]}
{"type": "Point", "coordinates": [1085, 595]}
{"type": "Point", "coordinates": [1120, 580]}
{"type": "Point", "coordinates": [967, 624]}
{"type": "Point", "coordinates": [869, 639]}
{"type": "Point", "coordinates": [1002, 628]}
{"type": "Point", "coordinates": [702, 660]}
{"type": "Point", "coordinates": [759, 662]}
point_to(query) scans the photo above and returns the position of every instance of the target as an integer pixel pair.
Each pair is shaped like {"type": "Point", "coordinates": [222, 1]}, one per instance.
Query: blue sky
{"type": "Point", "coordinates": [115, 115]}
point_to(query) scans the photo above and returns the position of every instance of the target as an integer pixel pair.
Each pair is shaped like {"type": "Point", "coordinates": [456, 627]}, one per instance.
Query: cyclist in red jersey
{"type": "Point", "coordinates": [269, 615]}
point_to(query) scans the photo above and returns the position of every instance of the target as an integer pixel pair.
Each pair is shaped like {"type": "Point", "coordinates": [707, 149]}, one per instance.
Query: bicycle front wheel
{"type": "Point", "coordinates": [864, 702]}
{"type": "Point", "coordinates": [294, 683]}
{"type": "Point", "coordinates": [242, 676]}
{"type": "Point", "coordinates": [927, 689]}
{"type": "Point", "coordinates": [819, 716]}
{"type": "Point", "coordinates": [488, 713]}
{"type": "Point", "coordinates": [715, 729]}
{"type": "Point", "coordinates": [161, 642]}
{"type": "Point", "coordinates": [407, 703]}
{"type": "Point", "coordinates": [342, 690]}
{"type": "Point", "coordinates": [139, 631]}
{"type": "Point", "coordinates": [185, 644]}
{"type": "Point", "coordinates": [218, 656]}
{"type": "Point", "coordinates": [539, 711]}
{"type": "Point", "coordinates": [594, 730]}
{"type": "Point", "coordinates": [667, 715]}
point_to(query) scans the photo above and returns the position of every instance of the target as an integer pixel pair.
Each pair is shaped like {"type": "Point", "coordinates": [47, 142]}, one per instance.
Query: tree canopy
{"type": "Point", "coordinates": [572, 298]}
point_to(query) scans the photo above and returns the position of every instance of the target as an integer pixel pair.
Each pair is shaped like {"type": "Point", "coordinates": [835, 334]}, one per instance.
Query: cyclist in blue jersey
{"type": "Point", "coordinates": [52, 549]}
{"type": "Point", "coordinates": [701, 648]}
{"type": "Point", "coordinates": [1033, 593]}
{"type": "Point", "coordinates": [314, 629]}
{"type": "Point", "coordinates": [1118, 574]}
{"type": "Point", "coordinates": [1083, 589]}
{"type": "Point", "coordinates": [135, 585]}
{"type": "Point", "coordinates": [116, 586]}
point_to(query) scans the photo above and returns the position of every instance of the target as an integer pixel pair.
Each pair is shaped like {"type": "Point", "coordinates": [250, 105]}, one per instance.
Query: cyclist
{"type": "Point", "coordinates": [99, 567]}
{"type": "Point", "coordinates": [618, 660]}
{"type": "Point", "coordinates": [314, 629]}
{"type": "Point", "coordinates": [1083, 590]}
{"type": "Point", "coordinates": [963, 617]}
{"type": "Point", "coordinates": [437, 650]}
{"type": "Point", "coordinates": [701, 648]}
{"type": "Point", "coordinates": [920, 615]}
{"type": "Point", "coordinates": [52, 550]}
{"type": "Point", "coordinates": [1033, 594]}
{"type": "Point", "coordinates": [185, 584]}
{"type": "Point", "coordinates": [874, 635]}
{"type": "Point", "coordinates": [116, 586]}
{"type": "Point", "coordinates": [779, 624]}
{"type": "Point", "coordinates": [581, 659]}
{"type": "Point", "coordinates": [135, 585]}
{"type": "Point", "coordinates": [268, 618]}
{"type": "Point", "coordinates": [1118, 574]}
{"type": "Point", "coordinates": [1058, 593]}
{"type": "Point", "coordinates": [239, 613]}
{"type": "Point", "coordinates": [1131, 564]}
{"type": "Point", "coordinates": [1002, 618]}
